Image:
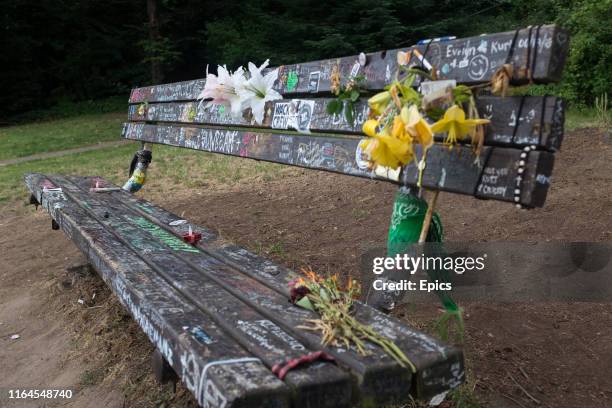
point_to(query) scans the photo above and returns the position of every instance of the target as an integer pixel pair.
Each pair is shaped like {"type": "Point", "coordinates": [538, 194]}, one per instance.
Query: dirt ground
{"type": "Point", "coordinates": [518, 355]}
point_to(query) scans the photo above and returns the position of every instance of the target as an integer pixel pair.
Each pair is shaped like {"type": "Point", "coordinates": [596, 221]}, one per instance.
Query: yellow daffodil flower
{"type": "Point", "coordinates": [417, 126]}
{"type": "Point", "coordinates": [455, 124]}
{"type": "Point", "coordinates": [379, 102]}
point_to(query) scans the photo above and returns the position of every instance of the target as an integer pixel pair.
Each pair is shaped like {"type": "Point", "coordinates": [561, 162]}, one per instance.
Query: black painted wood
{"type": "Point", "coordinates": [427, 352]}
{"type": "Point", "coordinates": [187, 338]}
{"type": "Point", "coordinates": [205, 280]}
{"type": "Point", "coordinates": [492, 176]}
{"type": "Point", "coordinates": [316, 385]}
{"type": "Point", "coordinates": [468, 60]}
{"type": "Point", "coordinates": [540, 122]}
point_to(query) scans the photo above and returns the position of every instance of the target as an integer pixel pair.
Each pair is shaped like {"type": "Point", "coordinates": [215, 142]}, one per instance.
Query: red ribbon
{"type": "Point", "coordinates": [281, 369]}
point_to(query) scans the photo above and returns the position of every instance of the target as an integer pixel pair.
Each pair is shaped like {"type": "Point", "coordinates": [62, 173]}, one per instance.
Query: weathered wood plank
{"type": "Point", "coordinates": [315, 385]}
{"type": "Point", "coordinates": [447, 170]}
{"type": "Point", "coordinates": [540, 122]}
{"type": "Point", "coordinates": [468, 60]}
{"type": "Point", "coordinates": [187, 338]}
{"type": "Point", "coordinates": [455, 171]}
{"type": "Point", "coordinates": [374, 372]}
{"type": "Point", "coordinates": [449, 363]}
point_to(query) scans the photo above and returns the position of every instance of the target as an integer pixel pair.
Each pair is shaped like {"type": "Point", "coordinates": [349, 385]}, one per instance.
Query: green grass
{"type": "Point", "coordinates": [581, 118]}
{"type": "Point", "coordinates": [110, 162]}
{"type": "Point", "coordinates": [172, 169]}
{"type": "Point", "coordinates": [41, 137]}
{"type": "Point", "coordinates": [464, 397]}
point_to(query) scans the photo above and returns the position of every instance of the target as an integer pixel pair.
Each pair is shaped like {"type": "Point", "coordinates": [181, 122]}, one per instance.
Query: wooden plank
{"type": "Point", "coordinates": [316, 385]}
{"type": "Point", "coordinates": [194, 270]}
{"type": "Point", "coordinates": [187, 338]}
{"type": "Point", "coordinates": [540, 122]}
{"type": "Point", "coordinates": [455, 171]}
{"type": "Point", "coordinates": [468, 60]}
{"type": "Point", "coordinates": [449, 363]}
{"type": "Point", "coordinates": [497, 180]}
{"type": "Point", "coordinates": [421, 349]}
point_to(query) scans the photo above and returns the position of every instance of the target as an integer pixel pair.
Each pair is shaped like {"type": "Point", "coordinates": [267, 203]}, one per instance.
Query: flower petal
{"type": "Point", "coordinates": [369, 127]}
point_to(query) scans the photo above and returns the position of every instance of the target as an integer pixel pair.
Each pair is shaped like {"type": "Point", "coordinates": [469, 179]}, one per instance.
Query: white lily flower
{"type": "Point", "coordinates": [258, 90]}
{"type": "Point", "coordinates": [224, 89]}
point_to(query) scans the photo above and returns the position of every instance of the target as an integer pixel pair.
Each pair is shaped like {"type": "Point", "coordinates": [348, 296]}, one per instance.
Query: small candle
{"type": "Point", "coordinates": [192, 237]}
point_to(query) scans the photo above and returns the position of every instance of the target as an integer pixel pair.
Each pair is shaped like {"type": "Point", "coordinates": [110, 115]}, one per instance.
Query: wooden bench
{"type": "Point", "coordinates": [218, 314]}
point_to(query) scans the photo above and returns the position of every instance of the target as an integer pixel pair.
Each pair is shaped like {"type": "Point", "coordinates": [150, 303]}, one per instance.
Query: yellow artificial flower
{"type": "Point", "coordinates": [455, 124]}
{"type": "Point", "coordinates": [417, 126]}
{"type": "Point", "coordinates": [379, 102]}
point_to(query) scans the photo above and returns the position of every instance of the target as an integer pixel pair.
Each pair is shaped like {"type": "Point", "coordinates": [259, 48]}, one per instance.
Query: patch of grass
{"type": "Point", "coordinates": [25, 140]}
{"type": "Point", "coordinates": [580, 118]}
{"type": "Point", "coordinates": [172, 169]}
{"type": "Point", "coordinates": [259, 248]}
{"type": "Point", "coordinates": [464, 397]}
{"type": "Point", "coordinates": [110, 163]}
{"type": "Point", "coordinates": [278, 249]}
{"type": "Point", "coordinates": [92, 377]}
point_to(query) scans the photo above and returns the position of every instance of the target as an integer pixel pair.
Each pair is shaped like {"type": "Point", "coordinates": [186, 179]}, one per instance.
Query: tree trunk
{"type": "Point", "coordinates": [154, 36]}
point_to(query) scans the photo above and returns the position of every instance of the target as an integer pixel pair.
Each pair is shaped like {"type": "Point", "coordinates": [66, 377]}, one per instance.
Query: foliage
{"type": "Point", "coordinates": [64, 50]}
{"type": "Point", "coordinates": [588, 72]}
{"type": "Point", "coordinates": [346, 96]}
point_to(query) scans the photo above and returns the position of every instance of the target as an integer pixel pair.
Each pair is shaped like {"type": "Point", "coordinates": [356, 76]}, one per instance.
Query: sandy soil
{"type": "Point", "coordinates": [556, 354]}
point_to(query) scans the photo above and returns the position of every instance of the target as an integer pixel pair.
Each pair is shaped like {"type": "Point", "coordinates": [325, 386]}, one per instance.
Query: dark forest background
{"type": "Point", "coordinates": [58, 52]}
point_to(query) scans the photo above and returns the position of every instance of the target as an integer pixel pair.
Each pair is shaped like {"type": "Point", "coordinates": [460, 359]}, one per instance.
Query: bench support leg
{"type": "Point", "coordinates": [162, 370]}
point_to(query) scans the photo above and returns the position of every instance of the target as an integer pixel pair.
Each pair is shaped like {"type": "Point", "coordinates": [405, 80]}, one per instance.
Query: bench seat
{"type": "Point", "coordinates": [220, 315]}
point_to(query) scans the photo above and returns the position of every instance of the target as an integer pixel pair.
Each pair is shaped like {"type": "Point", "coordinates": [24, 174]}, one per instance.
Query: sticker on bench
{"type": "Point", "coordinates": [293, 114]}
{"type": "Point", "coordinates": [313, 81]}
{"type": "Point", "coordinates": [199, 334]}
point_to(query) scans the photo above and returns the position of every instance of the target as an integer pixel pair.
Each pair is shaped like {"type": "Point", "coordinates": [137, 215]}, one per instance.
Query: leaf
{"type": "Point", "coordinates": [305, 303]}
{"type": "Point", "coordinates": [324, 295]}
{"type": "Point", "coordinates": [333, 107]}
{"type": "Point", "coordinates": [354, 95]}
{"type": "Point", "coordinates": [348, 113]}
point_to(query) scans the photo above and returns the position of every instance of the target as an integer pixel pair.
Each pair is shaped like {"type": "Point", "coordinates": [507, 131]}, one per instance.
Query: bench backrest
{"type": "Point", "coordinates": [298, 131]}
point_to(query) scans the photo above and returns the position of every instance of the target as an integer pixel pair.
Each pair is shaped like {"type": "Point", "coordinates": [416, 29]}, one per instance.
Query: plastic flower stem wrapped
{"type": "Point", "coordinates": [406, 224]}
